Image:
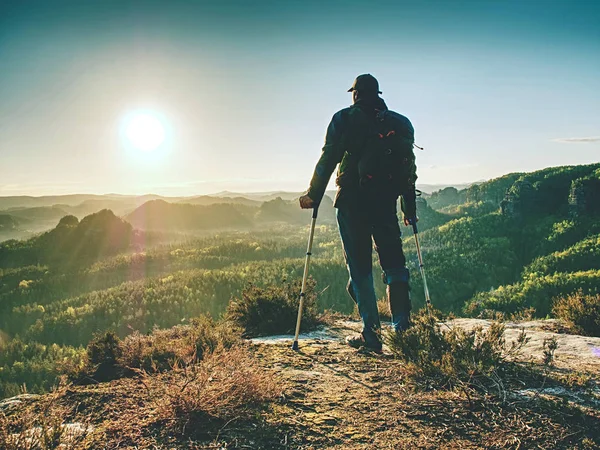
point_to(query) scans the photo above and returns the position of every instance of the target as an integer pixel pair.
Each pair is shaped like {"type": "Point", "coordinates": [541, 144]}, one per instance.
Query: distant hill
{"type": "Point", "coordinates": [24, 201]}
{"type": "Point", "coordinates": [211, 200]}
{"type": "Point", "coordinates": [280, 210]}
{"type": "Point", "coordinates": [288, 211]}
{"type": "Point", "coordinates": [117, 205]}
{"type": "Point", "coordinates": [261, 196]}
{"type": "Point", "coordinates": [430, 188]}
{"type": "Point", "coordinates": [79, 200]}
{"type": "Point", "coordinates": [71, 242]}
{"type": "Point", "coordinates": [13, 227]}
{"type": "Point", "coordinates": [548, 189]}
{"type": "Point", "coordinates": [34, 220]}
{"type": "Point", "coordinates": [161, 215]}
{"type": "Point", "coordinates": [44, 213]}
{"type": "Point", "coordinates": [9, 222]}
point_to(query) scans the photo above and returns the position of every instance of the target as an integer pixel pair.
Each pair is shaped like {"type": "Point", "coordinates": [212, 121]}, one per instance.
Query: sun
{"type": "Point", "coordinates": [145, 132]}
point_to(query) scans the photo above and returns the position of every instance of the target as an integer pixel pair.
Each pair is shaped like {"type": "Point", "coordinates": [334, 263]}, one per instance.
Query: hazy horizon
{"type": "Point", "coordinates": [209, 194]}
{"type": "Point", "coordinates": [242, 93]}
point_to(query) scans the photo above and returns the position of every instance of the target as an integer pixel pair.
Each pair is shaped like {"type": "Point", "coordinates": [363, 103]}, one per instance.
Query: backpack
{"type": "Point", "coordinates": [386, 164]}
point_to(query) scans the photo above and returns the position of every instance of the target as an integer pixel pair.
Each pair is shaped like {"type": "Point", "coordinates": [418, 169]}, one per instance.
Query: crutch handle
{"type": "Point", "coordinates": [414, 225]}
{"type": "Point", "coordinates": [315, 211]}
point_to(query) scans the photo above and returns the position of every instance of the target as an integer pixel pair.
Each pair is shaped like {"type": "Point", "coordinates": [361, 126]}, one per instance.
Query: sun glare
{"type": "Point", "coordinates": [145, 132]}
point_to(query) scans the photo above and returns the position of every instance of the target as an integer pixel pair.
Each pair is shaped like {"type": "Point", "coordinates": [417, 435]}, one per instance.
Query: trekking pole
{"type": "Point", "coordinates": [422, 267]}
{"type": "Point", "coordinates": [305, 276]}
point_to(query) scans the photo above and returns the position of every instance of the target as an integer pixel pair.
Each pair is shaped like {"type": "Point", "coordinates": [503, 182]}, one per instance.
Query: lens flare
{"type": "Point", "coordinates": [145, 132]}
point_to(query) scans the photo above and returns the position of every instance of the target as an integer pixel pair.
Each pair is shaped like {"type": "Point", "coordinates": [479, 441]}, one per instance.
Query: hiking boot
{"type": "Point", "coordinates": [358, 341]}
{"type": "Point", "coordinates": [400, 306]}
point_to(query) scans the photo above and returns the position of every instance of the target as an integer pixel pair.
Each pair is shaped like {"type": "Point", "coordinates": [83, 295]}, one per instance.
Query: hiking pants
{"type": "Point", "coordinates": [359, 226]}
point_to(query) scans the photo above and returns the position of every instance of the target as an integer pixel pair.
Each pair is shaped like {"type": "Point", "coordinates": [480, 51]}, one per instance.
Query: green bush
{"type": "Point", "coordinates": [462, 257]}
{"type": "Point", "coordinates": [580, 312]}
{"type": "Point", "coordinates": [34, 367]}
{"type": "Point", "coordinates": [273, 309]}
{"type": "Point", "coordinates": [428, 217]}
{"type": "Point", "coordinates": [582, 256]}
{"type": "Point", "coordinates": [535, 291]}
{"type": "Point", "coordinates": [470, 209]}
{"type": "Point", "coordinates": [103, 353]}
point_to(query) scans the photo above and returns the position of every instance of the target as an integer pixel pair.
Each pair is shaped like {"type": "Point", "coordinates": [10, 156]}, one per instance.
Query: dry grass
{"type": "Point", "coordinates": [383, 307]}
{"type": "Point", "coordinates": [525, 314]}
{"type": "Point", "coordinates": [110, 357]}
{"type": "Point", "coordinates": [226, 385]}
{"type": "Point", "coordinates": [162, 348]}
{"type": "Point", "coordinates": [45, 428]}
{"type": "Point", "coordinates": [331, 318]}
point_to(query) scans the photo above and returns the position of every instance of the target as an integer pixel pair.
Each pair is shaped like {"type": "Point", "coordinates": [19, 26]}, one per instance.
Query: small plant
{"type": "Point", "coordinates": [550, 346]}
{"type": "Point", "coordinates": [580, 312]}
{"type": "Point", "coordinates": [273, 310]}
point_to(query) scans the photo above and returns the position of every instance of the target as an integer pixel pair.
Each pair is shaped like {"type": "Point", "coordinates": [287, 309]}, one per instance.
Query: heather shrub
{"type": "Point", "coordinates": [161, 349]}
{"type": "Point", "coordinates": [452, 357]}
{"type": "Point", "coordinates": [110, 357]}
{"type": "Point", "coordinates": [580, 312]}
{"type": "Point", "coordinates": [273, 310]}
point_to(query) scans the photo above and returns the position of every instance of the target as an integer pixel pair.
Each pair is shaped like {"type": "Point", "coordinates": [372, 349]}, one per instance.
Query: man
{"type": "Point", "coordinates": [364, 216]}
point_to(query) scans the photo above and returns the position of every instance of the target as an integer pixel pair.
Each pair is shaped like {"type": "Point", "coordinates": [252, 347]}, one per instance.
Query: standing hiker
{"type": "Point", "coordinates": [374, 149]}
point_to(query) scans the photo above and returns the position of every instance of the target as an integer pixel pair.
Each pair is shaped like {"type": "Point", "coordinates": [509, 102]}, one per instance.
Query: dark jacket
{"type": "Point", "coordinates": [346, 135]}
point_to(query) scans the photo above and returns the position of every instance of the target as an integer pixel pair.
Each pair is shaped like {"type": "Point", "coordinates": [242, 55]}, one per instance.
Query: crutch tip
{"type": "Point", "coordinates": [295, 346]}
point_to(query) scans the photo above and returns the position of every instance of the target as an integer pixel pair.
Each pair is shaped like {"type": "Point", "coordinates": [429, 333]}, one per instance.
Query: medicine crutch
{"type": "Point", "coordinates": [305, 276]}
{"type": "Point", "coordinates": [422, 267]}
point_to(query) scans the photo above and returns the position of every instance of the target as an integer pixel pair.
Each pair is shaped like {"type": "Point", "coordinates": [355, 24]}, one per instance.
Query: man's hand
{"type": "Point", "coordinates": [306, 202]}
{"type": "Point", "coordinates": [410, 220]}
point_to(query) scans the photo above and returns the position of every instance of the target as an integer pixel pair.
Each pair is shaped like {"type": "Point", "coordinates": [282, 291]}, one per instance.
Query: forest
{"type": "Point", "coordinates": [509, 247]}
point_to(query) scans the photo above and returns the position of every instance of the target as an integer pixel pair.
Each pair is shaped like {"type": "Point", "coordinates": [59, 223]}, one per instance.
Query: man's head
{"type": "Point", "coordinates": [365, 85]}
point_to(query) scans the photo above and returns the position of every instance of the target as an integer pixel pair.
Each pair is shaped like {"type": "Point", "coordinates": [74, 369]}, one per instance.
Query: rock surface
{"type": "Point", "coordinates": [334, 397]}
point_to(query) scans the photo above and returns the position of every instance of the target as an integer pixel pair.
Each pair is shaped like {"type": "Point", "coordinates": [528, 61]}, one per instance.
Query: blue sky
{"type": "Point", "coordinates": [245, 90]}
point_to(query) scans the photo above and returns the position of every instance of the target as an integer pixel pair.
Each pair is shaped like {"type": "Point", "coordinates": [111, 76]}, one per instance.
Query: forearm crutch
{"type": "Point", "coordinates": [305, 276]}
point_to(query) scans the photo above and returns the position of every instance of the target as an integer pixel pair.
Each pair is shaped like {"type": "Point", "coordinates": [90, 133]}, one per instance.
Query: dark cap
{"type": "Point", "coordinates": [365, 83]}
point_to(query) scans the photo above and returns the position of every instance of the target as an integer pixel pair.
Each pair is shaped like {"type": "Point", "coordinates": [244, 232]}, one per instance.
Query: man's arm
{"type": "Point", "coordinates": [330, 157]}
{"type": "Point", "coordinates": [408, 202]}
